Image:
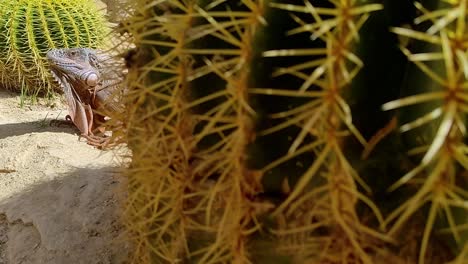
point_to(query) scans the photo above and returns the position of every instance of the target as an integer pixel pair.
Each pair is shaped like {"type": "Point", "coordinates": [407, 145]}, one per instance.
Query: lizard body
{"type": "Point", "coordinates": [88, 88]}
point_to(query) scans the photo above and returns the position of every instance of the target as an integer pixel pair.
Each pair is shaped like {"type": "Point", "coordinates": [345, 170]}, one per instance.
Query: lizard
{"type": "Point", "coordinates": [88, 89]}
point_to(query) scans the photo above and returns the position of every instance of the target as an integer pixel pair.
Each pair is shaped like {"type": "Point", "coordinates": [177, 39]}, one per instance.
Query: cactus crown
{"type": "Point", "coordinates": [31, 27]}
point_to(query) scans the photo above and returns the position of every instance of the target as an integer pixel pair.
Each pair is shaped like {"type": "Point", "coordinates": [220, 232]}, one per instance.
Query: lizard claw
{"type": "Point", "coordinates": [97, 141]}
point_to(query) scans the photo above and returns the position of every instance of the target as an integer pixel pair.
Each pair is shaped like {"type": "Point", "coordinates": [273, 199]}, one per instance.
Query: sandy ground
{"type": "Point", "coordinates": [61, 202]}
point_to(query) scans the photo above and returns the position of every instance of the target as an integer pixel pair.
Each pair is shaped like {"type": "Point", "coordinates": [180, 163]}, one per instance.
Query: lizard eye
{"type": "Point", "coordinates": [94, 61]}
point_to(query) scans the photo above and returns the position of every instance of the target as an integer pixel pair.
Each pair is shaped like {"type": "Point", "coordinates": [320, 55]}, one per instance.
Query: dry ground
{"type": "Point", "coordinates": [61, 202]}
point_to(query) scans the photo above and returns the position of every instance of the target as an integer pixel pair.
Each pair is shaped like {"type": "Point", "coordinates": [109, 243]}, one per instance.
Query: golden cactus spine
{"type": "Point", "coordinates": [240, 120]}
{"type": "Point", "coordinates": [440, 57]}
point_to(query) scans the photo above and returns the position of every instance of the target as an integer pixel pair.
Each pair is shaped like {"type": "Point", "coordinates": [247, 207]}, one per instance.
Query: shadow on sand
{"type": "Point", "coordinates": [17, 129]}
{"type": "Point", "coordinates": [72, 219]}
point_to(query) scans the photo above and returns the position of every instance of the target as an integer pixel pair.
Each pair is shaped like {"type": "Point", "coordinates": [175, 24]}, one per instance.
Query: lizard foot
{"type": "Point", "coordinates": [99, 142]}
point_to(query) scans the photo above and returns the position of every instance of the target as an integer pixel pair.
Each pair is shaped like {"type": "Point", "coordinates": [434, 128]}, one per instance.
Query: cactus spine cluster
{"type": "Point", "coordinates": [441, 58]}
{"type": "Point", "coordinates": [29, 28]}
{"type": "Point", "coordinates": [244, 143]}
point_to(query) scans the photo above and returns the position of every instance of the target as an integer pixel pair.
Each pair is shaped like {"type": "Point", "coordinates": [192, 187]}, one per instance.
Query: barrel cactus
{"type": "Point", "coordinates": [297, 131]}
{"type": "Point", "coordinates": [31, 27]}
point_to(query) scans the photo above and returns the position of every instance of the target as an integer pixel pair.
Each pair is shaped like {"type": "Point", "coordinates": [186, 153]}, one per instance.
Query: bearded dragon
{"type": "Point", "coordinates": [88, 88]}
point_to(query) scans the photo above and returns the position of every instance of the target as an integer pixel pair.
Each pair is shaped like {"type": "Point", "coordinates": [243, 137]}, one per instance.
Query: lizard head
{"type": "Point", "coordinates": [75, 65]}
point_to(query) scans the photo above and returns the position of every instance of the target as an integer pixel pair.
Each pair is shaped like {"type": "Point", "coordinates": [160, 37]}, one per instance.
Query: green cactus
{"type": "Point", "coordinates": [29, 28]}
{"type": "Point", "coordinates": [258, 136]}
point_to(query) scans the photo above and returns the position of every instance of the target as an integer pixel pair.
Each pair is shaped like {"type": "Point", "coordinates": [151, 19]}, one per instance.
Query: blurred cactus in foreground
{"type": "Point", "coordinates": [31, 27]}
{"type": "Point", "coordinates": [258, 136]}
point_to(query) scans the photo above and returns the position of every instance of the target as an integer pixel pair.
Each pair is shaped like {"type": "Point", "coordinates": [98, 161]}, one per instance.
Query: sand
{"type": "Point", "coordinates": [61, 201]}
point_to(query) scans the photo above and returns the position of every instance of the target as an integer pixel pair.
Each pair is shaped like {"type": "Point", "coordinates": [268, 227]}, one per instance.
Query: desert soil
{"type": "Point", "coordinates": [59, 197]}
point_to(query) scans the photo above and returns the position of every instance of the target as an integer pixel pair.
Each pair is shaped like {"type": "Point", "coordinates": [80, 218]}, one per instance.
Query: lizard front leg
{"type": "Point", "coordinates": [91, 138]}
{"type": "Point", "coordinates": [82, 118]}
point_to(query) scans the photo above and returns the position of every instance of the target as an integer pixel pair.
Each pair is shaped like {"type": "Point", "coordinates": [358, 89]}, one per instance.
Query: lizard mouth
{"type": "Point", "coordinates": [67, 86]}
{"type": "Point", "coordinates": [59, 77]}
